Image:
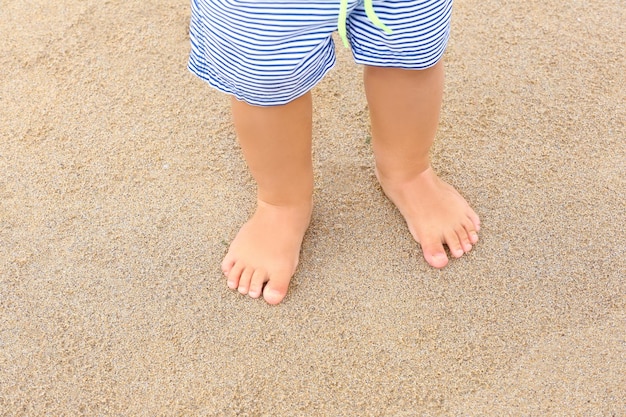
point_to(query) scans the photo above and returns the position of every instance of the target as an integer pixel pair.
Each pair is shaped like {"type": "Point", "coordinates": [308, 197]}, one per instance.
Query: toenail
{"type": "Point", "coordinates": [231, 285]}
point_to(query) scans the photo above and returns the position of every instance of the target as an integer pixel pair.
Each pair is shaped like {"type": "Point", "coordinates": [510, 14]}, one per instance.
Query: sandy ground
{"type": "Point", "coordinates": [121, 184]}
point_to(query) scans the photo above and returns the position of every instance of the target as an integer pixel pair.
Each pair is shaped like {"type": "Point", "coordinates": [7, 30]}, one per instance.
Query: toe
{"type": "Point", "coordinates": [472, 234]}
{"type": "Point", "coordinates": [471, 226]}
{"type": "Point", "coordinates": [454, 244]}
{"type": "Point", "coordinates": [259, 277]}
{"type": "Point", "coordinates": [234, 275]}
{"type": "Point", "coordinates": [434, 253]}
{"type": "Point", "coordinates": [244, 281]}
{"type": "Point", "coordinates": [465, 242]}
{"type": "Point", "coordinates": [464, 238]}
{"type": "Point", "coordinates": [475, 222]}
{"type": "Point", "coordinates": [276, 289]}
{"type": "Point", "coordinates": [227, 264]}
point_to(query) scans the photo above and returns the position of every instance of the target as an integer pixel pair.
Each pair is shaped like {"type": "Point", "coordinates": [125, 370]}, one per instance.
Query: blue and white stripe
{"type": "Point", "coordinates": [271, 52]}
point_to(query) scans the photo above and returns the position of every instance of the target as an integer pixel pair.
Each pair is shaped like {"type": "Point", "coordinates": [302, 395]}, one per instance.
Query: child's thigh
{"type": "Point", "coordinates": [263, 52]}
{"type": "Point", "coordinates": [420, 32]}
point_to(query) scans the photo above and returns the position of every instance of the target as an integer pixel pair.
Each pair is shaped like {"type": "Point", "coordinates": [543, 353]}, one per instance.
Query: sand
{"type": "Point", "coordinates": [121, 184]}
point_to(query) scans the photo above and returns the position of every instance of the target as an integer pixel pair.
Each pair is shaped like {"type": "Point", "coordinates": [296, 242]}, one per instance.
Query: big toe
{"type": "Point", "coordinates": [435, 254]}
{"type": "Point", "coordinates": [276, 289]}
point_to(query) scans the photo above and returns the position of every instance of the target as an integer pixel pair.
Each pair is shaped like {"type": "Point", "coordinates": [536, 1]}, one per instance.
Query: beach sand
{"type": "Point", "coordinates": [121, 184]}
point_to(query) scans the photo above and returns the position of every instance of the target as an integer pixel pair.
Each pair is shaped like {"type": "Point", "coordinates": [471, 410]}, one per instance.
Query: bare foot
{"type": "Point", "coordinates": [266, 250]}
{"type": "Point", "coordinates": [436, 214]}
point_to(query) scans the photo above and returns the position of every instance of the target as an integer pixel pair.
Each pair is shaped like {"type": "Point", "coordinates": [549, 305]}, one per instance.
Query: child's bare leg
{"type": "Point", "coordinates": [276, 142]}
{"type": "Point", "coordinates": [404, 109]}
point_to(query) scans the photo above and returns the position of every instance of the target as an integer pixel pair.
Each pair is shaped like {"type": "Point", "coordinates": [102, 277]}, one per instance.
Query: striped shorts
{"type": "Point", "coordinates": [271, 52]}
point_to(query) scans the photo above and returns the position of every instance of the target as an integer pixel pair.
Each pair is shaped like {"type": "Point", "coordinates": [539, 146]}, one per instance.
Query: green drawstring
{"type": "Point", "coordinates": [369, 10]}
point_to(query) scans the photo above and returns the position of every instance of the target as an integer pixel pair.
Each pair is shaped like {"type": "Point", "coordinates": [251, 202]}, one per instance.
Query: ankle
{"type": "Point", "coordinates": [395, 174]}
{"type": "Point", "coordinates": [301, 209]}
{"type": "Point", "coordinates": [286, 195]}
{"type": "Point", "coordinates": [297, 214]}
